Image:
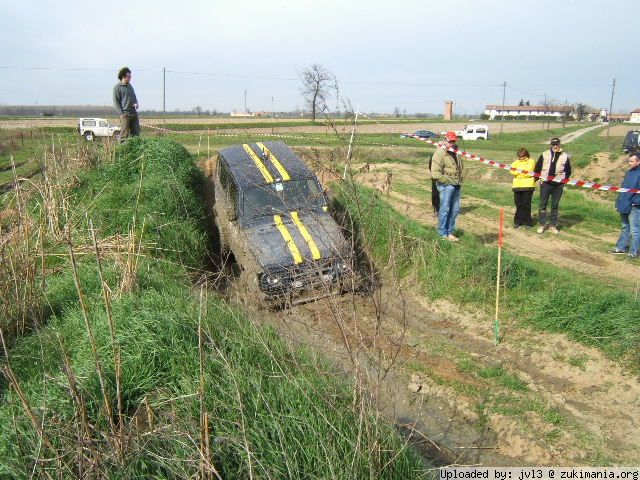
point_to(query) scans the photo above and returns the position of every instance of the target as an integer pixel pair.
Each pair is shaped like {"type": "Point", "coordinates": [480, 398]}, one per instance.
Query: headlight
{"type": "Point", "coordinates": [271, 279]}
{"type": "Point", "coordinates": [341, 265]}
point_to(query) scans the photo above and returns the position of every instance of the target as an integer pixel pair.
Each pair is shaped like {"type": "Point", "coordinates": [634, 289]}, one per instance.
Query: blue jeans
{"type": "Point", "coordinates": [630, 234]}
{"type": "Point", "coordinates": [449, 208]}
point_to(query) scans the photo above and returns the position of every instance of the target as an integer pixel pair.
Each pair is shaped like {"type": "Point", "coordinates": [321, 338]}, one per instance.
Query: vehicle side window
{"type": "Point", "coordinates": [89, 123]}
{"type": "Point", "coordinates": [480, 130]}
{"type": "Point", "coordinates": [103, 123]}
{"type": "Point", "coordinates": [228, 184]}
{"type": "Point", "coordinates": [470, 130]}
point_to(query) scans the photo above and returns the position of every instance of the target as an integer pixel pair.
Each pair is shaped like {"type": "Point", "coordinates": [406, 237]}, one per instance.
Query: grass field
{"type": "Point", "coordinates": [170, 339]}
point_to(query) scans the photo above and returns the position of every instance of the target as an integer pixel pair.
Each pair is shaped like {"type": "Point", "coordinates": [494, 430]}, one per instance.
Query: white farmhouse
{"type": "Point", "coordinates": [635, 116]}
{"type": "Point", "coordinates": [528, 110]}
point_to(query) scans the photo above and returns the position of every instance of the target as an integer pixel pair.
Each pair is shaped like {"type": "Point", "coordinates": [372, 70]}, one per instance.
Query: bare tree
{"type": "Point", "coordinates": [317, 84]}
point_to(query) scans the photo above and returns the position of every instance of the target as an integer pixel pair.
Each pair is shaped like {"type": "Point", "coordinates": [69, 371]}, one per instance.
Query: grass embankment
{"type": "Point", "coordinates": [536, 294]}
{"type": "Point", "coordinates": [149, 377]}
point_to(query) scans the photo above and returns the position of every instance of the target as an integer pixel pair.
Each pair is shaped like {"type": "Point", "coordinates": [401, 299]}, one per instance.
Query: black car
{"type": "Point", "coordinates": [272, 215]}
{"type": "Point", "coordinates": [631, 141]}
{"type": "Point", "coordinates": [421, 134]}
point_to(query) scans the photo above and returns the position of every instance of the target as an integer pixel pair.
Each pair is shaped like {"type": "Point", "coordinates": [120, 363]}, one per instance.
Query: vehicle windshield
{"type": "Point", "coordinates": [283, 197]}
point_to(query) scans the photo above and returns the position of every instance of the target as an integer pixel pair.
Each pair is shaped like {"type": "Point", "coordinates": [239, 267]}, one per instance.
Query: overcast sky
{"type": "Point", "coordinates": [410, 55]}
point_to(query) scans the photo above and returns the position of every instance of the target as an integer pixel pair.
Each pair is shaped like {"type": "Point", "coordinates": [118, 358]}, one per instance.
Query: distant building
{"type": "Point", "coordinates": [494, 111]}
{"type": "Point", "coordinates": [635, 116]}
{"type": "Point", "coordinates": [448, 110]}
{"type": "Point", "coordinates": [620, 117]}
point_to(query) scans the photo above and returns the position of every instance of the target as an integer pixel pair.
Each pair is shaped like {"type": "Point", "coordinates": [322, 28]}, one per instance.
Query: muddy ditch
{"type": "Point", "coordinates": [365, 336]}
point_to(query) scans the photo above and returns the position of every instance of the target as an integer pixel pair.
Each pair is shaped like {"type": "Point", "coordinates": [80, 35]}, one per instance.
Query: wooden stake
{"type": "Point", "coordinates": [496, 321]}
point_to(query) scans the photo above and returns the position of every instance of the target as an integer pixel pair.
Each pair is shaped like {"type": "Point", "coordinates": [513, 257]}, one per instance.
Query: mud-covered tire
{"type": "Point", "coordinates": [253, 297]}
{"type": "Point", "coordinates": [223, 242]}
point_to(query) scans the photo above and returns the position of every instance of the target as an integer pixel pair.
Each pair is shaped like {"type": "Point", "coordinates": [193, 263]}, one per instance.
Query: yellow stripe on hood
{"type": "Point", "coordinates": [293, 248]}
{"type": "Point", "coordinates": [307, 237]}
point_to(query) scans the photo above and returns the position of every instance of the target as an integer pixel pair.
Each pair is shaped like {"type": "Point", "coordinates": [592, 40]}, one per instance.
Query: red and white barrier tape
{"type": "Point", "coordinates": [493, 163]}
{"type": "Point", "coordinates": [273, 135]}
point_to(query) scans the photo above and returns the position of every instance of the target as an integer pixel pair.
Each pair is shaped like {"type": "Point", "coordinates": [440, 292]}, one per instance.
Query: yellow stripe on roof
{"type": "Point", "coordinates": [315, 253]}
{"type": "Point", "coordinates": [276, 163]}
{"type": "Point", "coordinates": [293, 248]}
{"type": "Point", "coordinates": [261, 166]}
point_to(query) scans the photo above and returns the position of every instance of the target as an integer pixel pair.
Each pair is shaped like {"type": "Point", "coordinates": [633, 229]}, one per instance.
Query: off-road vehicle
{"type": "Point", "coordinates": [272, 215]}
{"type": "Point", "coordinates": [631, 141]}
{"type": "Point", "coordinates": [90, 128]}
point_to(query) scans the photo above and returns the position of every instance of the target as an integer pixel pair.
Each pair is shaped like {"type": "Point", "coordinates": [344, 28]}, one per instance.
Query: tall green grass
{"type": "Point", "coordinates": [536, 294]}
{"type": "Point", "coordinates": [203, 390]}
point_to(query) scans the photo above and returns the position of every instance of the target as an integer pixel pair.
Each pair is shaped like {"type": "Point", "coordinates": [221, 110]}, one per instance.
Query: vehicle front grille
{"type": "Point", "coordinates": [307, 276]}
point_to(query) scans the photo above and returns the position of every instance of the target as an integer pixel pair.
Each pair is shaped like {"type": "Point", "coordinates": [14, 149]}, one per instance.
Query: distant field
{"type": "Point", "coordinates": [620, 130]}
{"type": "Point", "coordinates": [388, 125]}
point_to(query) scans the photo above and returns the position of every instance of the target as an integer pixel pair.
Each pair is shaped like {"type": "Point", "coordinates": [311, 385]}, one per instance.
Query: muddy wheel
{"type": "Point", "coordinates": [250, 293]}
{"type": "Point", "coordinates": [223, 243]}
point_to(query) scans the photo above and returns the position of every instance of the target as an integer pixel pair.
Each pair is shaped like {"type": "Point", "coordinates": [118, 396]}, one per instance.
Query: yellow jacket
{"type": "Point", "coordinates": [522, 181]}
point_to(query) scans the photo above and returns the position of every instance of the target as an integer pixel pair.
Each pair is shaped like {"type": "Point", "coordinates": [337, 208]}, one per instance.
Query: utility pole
{"type": "Point", "coordinates": [613, 89]}
{"type": "Point", "coordinates": [564, 114]}
{"type": "Point", "coordinates": [504, 91]}
{"type": "Point", "coordinates": [164, 90]}
{"type": "Point", "coordinates": [245, 104]}
{"type": "Point", "coordinates": [272, 115]}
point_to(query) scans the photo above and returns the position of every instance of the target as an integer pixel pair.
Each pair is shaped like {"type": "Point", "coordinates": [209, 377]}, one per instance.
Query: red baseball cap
{"type": "Point", "coordinates": [451, 136]}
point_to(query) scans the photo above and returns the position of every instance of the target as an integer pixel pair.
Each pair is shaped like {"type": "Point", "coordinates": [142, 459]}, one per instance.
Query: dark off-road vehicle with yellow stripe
{"type": "Point", "coordinates": [272, 214]}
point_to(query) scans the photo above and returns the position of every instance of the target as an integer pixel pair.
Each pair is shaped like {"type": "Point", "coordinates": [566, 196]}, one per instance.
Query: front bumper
{"type": "Point", "coordinates": [305, 278]}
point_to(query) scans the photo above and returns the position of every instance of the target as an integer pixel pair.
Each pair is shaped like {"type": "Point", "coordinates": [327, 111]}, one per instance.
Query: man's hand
{"type": "Point", "coordinates": [135, 105]}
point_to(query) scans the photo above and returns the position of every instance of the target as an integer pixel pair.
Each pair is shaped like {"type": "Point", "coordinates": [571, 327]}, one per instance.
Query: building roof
{"type": "Point", "coordinates": [532, 108]}
{"type": "Point", "coordinates": [637, 110]}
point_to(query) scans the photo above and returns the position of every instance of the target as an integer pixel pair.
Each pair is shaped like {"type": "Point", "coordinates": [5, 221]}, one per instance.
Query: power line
{"type": "Point", "coordinates": [263, 77]}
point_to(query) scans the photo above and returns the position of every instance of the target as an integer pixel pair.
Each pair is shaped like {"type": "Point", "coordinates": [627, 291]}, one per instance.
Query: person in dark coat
{"type": "Point", "coordinates": [628, 205]}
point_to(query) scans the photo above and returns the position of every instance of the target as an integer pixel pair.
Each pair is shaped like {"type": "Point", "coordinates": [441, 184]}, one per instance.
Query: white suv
{"type": "Point", "coordinates": [90, 128]}
{"type": "Point", "coordinates": [474, 132]}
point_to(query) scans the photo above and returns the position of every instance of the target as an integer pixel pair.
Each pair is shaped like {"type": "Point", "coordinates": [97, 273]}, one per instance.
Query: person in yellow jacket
{"type": "Point", "coordinates": [523, 188]}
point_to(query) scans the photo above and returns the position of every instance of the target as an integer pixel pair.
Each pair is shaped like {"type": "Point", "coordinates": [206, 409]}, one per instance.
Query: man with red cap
{"type": "Point", "coordinates": [447, 171]}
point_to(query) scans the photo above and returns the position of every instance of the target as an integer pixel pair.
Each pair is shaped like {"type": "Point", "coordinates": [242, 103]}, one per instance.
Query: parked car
{"type": "Point", "coordinates": [421, 134]}
{"type": "Point", "coordinates": [272, 214]}
{"type": "Point", "coordinates": [472, 132]}
{"type": "Point", "coordinates": [90, 128]}
{"type": "Point", "coordinates": [631, 141]}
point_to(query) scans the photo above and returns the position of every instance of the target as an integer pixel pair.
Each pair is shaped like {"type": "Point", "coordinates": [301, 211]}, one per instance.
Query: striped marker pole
{"type": "Point", "coordinates": [496, 320]}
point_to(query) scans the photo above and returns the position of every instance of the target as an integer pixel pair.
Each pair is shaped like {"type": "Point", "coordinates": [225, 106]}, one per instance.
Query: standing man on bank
{"type": "Point", "coordinates": [628, 205]}
{"type": "Point", "coordinates": [552, 163]}
{"type": "Point", "coordinates": [447, 171]}
{"type": "Point", "coordinates": [126, 103]}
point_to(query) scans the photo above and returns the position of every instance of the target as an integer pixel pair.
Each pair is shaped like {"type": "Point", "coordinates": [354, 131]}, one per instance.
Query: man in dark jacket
{"type": "Point", "coordinates": [552, 163]}
{"type": "Point", "coordinates": [126, 103]}
{"type": "Point", "coordinates": [628, 204]}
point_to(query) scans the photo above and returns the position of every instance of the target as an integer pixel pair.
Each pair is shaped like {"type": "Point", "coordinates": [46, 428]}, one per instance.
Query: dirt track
{"type": "Point", "coordinates": [425, 389]}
